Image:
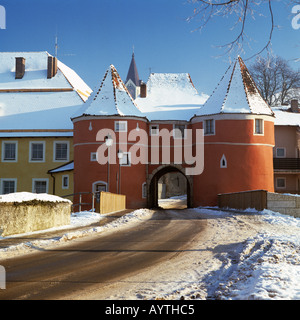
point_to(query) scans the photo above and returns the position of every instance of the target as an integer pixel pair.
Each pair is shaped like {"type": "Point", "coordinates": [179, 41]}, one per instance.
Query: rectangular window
{"type": "Point", "coordinates": [144, 190]}
{"type": "Point", "coordinates": [40, 185]}
{"type": "Point", "coordinates": [259, 126]}
{"type": "Point", "coordinates": [8, 186]}
{"type": "Point", "coordinates": [9, 151]}
{"type": "Point", "coordinates": [37, 151]}
{"type": "Point", "coordinates": [93, 156]}
{"type": "Point", "coordinates": [179, 131]}
{"type": "Point", "coordinates": [154, 130]}
{"type": "Point", "coordinates": [280, 183]}
{"type": "Point", "coordinates": [120, 126]}
{"type": "Point", "coordinates": [209, 127]}
{"type": "Point", "coordinates": [65, 181]}
{"type": "Point", "coordinates": [61, 151]}
{"type": "Point", "coordinates": [126, 159]}
{"type": "Point", "coordinates": [280, 152]}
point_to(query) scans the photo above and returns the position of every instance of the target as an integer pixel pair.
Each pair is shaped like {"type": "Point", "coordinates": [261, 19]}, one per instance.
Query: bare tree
{"type": "Point", "coordinates": [276, 80]}
{"type": "Point", "coordinates": [242, 11]}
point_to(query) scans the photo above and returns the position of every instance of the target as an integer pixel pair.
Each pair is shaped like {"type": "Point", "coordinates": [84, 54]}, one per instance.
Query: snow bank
{"type": "Point", "coordinates": [28, 196]}
{"type": "Point", "coordinates": [27, 212]}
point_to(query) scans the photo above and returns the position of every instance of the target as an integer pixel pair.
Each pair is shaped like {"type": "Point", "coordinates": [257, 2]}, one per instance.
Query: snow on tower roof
{"type": "Point", "coordinates": [112, 98]}
{"type": "Point", "coordinates": [236, 93]}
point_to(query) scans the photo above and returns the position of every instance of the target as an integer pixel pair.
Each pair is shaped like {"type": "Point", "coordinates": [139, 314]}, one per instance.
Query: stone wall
{"type": "Point", "coordinates": [284, 203]}
{"type": "Point", "coordinates": [34, 215]}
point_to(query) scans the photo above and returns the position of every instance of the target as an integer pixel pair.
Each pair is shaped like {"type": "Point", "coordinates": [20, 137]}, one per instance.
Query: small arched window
{"type": "Point", "coordinates": [223, 162]}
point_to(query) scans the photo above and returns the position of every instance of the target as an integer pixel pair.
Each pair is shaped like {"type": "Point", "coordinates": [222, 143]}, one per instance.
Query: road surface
{"type": "Point", "coordinates": [91, 264]}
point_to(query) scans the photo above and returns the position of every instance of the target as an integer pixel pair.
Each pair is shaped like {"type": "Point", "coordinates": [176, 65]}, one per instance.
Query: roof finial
{"type": "Point", "coordinates": [133, 50]}
{"type": "Point", "coordinates": [56, 44]}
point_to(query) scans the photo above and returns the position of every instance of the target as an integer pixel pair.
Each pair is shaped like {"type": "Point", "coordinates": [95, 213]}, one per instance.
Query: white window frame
{"type": "Point", "coordinates": [93, 156]}
{"type": "Point", "coordinates": [39, 180]}
{"type": "Point", "coordinates": [284, 179]}
{"type": "Point", "coordinates": [214, 127]}
{"type": "Point", "coordinates": [262, 127]}
{"type": "Point", "coordinates": [62, 181]}
{"type": "Point", "coordinates": [15, 180]}
{"type": "Point", "coordinates": [117, 126]}
{"type": "Point", "coordinates": [128, 155]}
{"type": "Point", "coordinates": [3, 150]}
{"type": "Point", "coordinates": [174, 131]}
{"type": "Point", "coordinates": [54, 151]}
{"type": "Point", "coordinates": [284, 152]}
{"type": "Point", "coordinates": [94, 185]}
{"type": "Point", "coordinates": [151, 128]}
{"type": "Point", "coordinates": [30, 151]}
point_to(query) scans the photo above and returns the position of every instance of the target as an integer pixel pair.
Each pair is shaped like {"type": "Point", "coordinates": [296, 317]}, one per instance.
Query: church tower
{"type": "Point", "coordinates": [133, 81]}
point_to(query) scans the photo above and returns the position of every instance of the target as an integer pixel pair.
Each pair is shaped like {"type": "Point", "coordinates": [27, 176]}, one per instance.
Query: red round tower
{"type": "Point", "coordinates": [238, 139]}
{"type": "Point", "coordinates": [102, 160]}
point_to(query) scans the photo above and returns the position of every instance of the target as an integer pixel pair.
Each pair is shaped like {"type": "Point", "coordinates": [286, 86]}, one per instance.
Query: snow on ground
{"type": "Point", "coordinates": [78, 219]}
{"type": "Point", "coordinates": [249, 255]}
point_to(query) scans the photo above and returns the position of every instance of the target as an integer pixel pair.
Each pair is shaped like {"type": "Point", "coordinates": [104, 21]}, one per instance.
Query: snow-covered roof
{"type": "Point", "coordinates": [112, 98]}
{"type": "Point", "coordinates": [48, 119]}
{"type": "Point", "coordinates": [236, 93]}
{"type": "Point", "coordinates": [286, 118]}
{"type": "Point", "coordinates": [168, 92]}
{"type": "Point", "coordinates": [35, 77]}
{"type": "Point", "coordinates": [180, 112]}
{"type": "Point", "coordinates": [66, 167]}
{"type": "Point", "coordinates": [36, 102]}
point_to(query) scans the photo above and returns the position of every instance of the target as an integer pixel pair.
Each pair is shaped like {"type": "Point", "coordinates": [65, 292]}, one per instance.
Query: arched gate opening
{"type": "Point", "coordinates": [155, 189]}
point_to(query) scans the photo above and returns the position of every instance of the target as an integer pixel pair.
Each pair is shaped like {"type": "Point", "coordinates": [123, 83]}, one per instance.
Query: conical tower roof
{"type": "Point", "coordinates": [133, 73]}
{"type": "Point", "coordinates": [112, 98]}
{"type": "Point", "coordinates": [236, 93]}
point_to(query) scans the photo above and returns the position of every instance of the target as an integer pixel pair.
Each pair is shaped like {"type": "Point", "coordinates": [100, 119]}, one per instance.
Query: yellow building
{"type": "Point", "coordinates": [38, 95]}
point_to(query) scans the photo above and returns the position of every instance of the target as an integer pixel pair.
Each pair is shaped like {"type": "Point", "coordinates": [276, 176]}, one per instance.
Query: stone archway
{"type": "Point", "coordinates": [152, 194]}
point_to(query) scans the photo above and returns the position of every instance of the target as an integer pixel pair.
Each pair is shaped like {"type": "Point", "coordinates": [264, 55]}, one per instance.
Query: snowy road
{"type": "Point", "coordinates": [201, 253]}
{"type": "Point", "coordinates": [88, 267]}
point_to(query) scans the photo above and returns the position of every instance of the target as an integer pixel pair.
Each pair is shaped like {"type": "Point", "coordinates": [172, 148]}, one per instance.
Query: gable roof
{"type": "Point", "coordinates": [112, 98]}
{"type": "Point", "coordinates": [170, 92]}
{"type": "Point", "coordinates": [36, 105]}
{"type": "Point", "coordinates": [133, 73]}
{"type": "Point", "coordinates": [236, 93]}
{"type": "Point", "coordinates": [35, 77]}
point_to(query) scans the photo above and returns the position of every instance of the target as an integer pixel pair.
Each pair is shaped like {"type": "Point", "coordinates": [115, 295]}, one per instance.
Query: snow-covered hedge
{"type": "Point", "coordinates": [23, 212]}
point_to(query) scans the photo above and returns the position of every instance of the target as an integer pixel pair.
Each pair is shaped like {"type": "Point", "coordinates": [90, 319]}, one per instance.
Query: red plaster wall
{"type": "Point", "coordinates": [249, 167]}
{"type": "Point", "coordinates": [87, 172]}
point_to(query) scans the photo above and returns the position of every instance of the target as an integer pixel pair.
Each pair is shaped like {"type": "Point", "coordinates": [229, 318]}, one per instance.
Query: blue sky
{"type": "Point", "coordinates": [92, 34]}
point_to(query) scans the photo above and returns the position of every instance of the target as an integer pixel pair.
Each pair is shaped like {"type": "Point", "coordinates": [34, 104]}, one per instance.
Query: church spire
{"type": "Point", "coordinates": [132, 72]}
